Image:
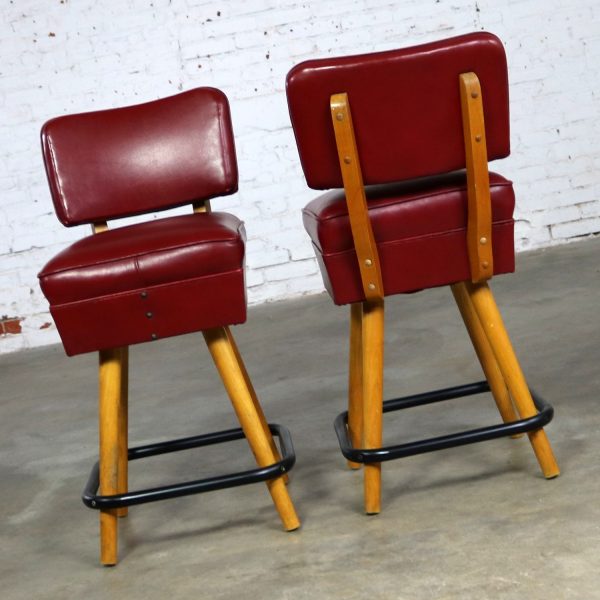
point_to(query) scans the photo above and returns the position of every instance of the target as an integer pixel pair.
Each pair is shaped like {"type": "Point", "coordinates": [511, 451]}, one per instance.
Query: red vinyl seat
{"type": "Point", "coordinates": [402, 140]}
{"type": "Point", "coordinates": [154, 279]}
{"type": "Point", "coordinates": [148, 281]}
{"type": "Point", "coordinates": [414, 222]}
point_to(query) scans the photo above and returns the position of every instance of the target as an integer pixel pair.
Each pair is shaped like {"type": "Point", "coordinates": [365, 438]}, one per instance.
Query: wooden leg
{"type": "Point", "coordinates": [372, 360]}
{"type": "Point", "coordinates": [489, 316]}
{"type": "Point", "coordinates": [123, 427]}
{"type": "Point", "coordinates": [257, 406]}
{"type": "Point", "coordinates": [484, 353]}
{"type": "Point", "coordinates": [355, 380]}
{"type": "Point", "coordinates": [110, 409]}
{"type": "Point", "coordinates": [231, 369]}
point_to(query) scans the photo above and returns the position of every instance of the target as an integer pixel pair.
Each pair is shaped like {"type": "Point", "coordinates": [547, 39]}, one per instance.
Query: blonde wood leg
{"type": "Point", "coordinates": [257, 406]}
{"type": "Point", "coordinates": [355, 380]}
{"type": "Point", "coordinates": [492, 323]}
{"type": "Point", "coordinates": [372, 360]}
{"type": "Point", "coordinates": [484, 353]}
{"type": "Point", "coordinates": [231, 369]}
{"type": "Point", "coordinates": [109, 411]}
{"type": "Point", "coordinates": [123, 427]}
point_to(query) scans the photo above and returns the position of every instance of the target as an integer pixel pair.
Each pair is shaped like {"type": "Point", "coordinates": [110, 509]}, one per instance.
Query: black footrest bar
{"type": "Point", "coordinates": [362, 455]}
{"type": "Point", "coordinates": [91, 499]}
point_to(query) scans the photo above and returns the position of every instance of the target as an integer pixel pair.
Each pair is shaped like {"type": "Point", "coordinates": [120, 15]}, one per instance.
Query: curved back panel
{"type": "Point", "coordinates": [405, 107]}
{"type": "Point", "coordinates": [126, 161]}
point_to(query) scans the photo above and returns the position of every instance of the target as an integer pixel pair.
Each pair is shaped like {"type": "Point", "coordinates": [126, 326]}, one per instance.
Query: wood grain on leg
{"type": "Point", "coordinates": [484, 353]}
{"type": "Point", "coordinates": [355, 381]}
{"type": "Point", "coordinates": [109, 410]}
{"type": "Point", "coordinates": [257, 406]}
{"type": "Point", "coordinates": [372, 355]}
{"type": "Point", "coordinates": [231, 370]}
{"type": "Point", "coordinates": [492, 323]}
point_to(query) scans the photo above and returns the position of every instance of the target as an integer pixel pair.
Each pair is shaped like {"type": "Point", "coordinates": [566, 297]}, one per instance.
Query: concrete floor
{"type": "Point", "coordinates": [473, 522]}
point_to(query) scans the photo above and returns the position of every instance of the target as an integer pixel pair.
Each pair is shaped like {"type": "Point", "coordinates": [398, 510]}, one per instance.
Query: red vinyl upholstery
{"type": "Point", "coordinates": [407, 120]}
{"type": "Point", "coordinates": [126, 161]}
{"type": "Point", "coordinates": [405, 105]}
{"type": "Point", "coordinates": [420, 230]}
{"type": "Point", "coordinates": [162, 277]}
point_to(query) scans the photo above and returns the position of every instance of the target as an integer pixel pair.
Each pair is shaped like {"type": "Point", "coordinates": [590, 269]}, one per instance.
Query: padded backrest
{"type": "Point", "coordinates": [126, 161]}
{"type": "Point", "coordinates": [405, 107]}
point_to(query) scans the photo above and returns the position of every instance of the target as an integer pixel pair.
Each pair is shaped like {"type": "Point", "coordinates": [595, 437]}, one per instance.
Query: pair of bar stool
{"type": "Point", "coordinates": [400, 139]}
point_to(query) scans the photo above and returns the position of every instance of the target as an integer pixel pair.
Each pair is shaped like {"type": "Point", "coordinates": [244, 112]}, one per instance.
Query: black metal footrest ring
{"type": "Point", "coordinates": [93, 500]}
{"type": "Point", "coordinates": [375, 455]}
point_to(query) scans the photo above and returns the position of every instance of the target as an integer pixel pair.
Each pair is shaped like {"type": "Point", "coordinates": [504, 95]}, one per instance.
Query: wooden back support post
{"type": "Point", "coordinates": [479, 224]}
{"type": "Point", "coordinates": [99, 227]}
{"type": "Point", "coordinates": [362, 232]}
{"type": "Point", "coordinates": [203, 206]}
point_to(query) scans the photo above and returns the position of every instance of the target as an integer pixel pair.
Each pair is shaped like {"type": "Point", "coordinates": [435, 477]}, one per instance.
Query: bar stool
{"type": "Point", "coordinates": [151, 280]}
{"type": "Point", "coordinates": [400, 140]}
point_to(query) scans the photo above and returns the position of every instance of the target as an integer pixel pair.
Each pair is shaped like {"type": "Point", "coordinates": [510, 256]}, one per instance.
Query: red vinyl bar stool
{"type": "Point", "coordinates": [400, 137]}
{"type": "Point", "coordinates": [154, 279]}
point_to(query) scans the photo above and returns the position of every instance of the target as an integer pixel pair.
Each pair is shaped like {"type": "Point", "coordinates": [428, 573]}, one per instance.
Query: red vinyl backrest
{"type": "Point", "coordinates": [405, 107]}
{"type": "Point", "coordinates": [126, 161]}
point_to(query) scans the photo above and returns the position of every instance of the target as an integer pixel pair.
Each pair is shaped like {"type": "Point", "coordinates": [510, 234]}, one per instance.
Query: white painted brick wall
{"type": "Point", "coordinates": [62, 56]}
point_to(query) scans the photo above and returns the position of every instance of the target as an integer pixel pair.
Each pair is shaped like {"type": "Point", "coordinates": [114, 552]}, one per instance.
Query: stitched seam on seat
{"type": "Point", "coordinates": [424, 236]}
{"type": "Point", "coordinates": [153, 287]}
{"type": "Point", "coordinates": [390, 202]}
{"type": "Point", "coordinates": [138, 255]}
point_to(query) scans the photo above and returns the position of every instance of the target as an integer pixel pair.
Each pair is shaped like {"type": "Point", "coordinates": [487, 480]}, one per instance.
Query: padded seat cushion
{"type": "Point", "coordinates": [147, 281]}
{"type": "Point", "coordinates": [138, 256]}
{"type": "Point", "coordinates": [420, 231]}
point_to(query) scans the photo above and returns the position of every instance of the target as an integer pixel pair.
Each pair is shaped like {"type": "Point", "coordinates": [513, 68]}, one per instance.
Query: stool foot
{"type": "Point", "coordinates": [108, 538]}
{"type": "Point", "coordinates": [283, 504]}
{"type": "Point", "coordinates": [372, 475]}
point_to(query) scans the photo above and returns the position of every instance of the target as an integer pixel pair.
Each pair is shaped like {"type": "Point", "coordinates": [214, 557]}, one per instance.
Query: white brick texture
{"type": "Point", "coordinates": [64, 56]}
